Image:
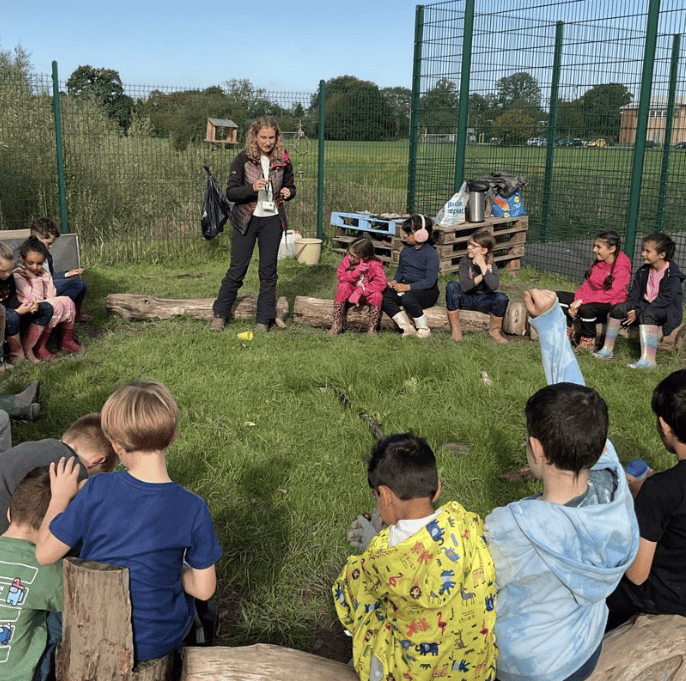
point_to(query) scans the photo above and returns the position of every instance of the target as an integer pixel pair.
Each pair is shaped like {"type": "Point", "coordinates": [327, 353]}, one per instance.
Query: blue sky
{"type": "Point", "coordinates": [276, 45]}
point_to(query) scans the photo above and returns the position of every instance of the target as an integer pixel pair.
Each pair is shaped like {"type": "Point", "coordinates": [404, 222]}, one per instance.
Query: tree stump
{"type": "Point", "coordinates": [318, 312]}
{"type": "Point", "coordinates": [653, 648]}
{"type": "Point", "coordinates": [97, 639]}
{"type": "Point", "coordinates": [261, 662]}
{"type": "Point", "coordinates": [133, 306]}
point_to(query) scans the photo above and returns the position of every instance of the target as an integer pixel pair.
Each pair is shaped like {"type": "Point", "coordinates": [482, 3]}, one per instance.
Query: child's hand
{"type": "Point", "coordinates": [480, 262]}
{"type": "Point", "coordinates": [24, 308]}
{"type": "Point", "coordinates": [74, 273]}
{"type": "Point", "coordinates": [64, 479]}
{"type": "Point", "coordinates": [539, 301]}
{"type": "Point", "coordinates": [630, 318]}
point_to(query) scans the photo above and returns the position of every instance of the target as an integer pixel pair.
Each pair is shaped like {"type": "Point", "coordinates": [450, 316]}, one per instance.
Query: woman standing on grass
{"type": "Point", "coordinates": [260, 181]}
{"type": "Point", "coordinates": [605, 285]}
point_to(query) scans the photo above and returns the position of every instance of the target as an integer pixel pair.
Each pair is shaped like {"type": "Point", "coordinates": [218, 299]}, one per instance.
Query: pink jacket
{"type": "Point", "coordinates": [592, 291]}
{"type": "Point", "coordinates": [39, 289]}
{"type": "Point", "coordinates": [373, 272]}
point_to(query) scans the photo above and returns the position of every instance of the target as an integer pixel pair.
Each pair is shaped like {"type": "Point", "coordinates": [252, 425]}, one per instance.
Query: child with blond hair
{"type": "Point", "coordinates": [139, 519]}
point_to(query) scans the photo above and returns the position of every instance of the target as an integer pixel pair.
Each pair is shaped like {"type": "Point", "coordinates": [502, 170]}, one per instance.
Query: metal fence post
{"type": "Point", "coordinates": [463, 111]}
{"type": "Point", "coordinates": [666, 147]}
{"type": "Point", "coordinates": [641, 126]}
{"type": "Point", "coordinates": [552, 129]}
{"type": "Point", "coordinates": [320, 162]}
{"type": "Point", "coordinates": [414, 107]}
{"type": "Point", "coordinates": [57, 113]}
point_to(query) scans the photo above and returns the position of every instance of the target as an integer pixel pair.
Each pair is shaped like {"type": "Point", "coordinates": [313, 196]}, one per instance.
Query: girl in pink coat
{"type": "Point", "coordinates": [361, 279]}
{"type": "Point", "coordinates": [605, 285]}
{"type": "Point", "coordinates": [35, 285]}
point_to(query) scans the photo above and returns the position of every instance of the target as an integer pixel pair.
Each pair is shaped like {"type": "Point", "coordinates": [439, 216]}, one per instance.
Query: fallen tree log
{"type": "Point", "coordinates": [261, 662]}
{"type": "Point", "coordinates": [133, 306]}
{"type": "Point", "coordinates": [319, 312]}
{"type": "Point", "coordinates": [651, 648]}
{"type": "Point", "coordinates": [97, 638]}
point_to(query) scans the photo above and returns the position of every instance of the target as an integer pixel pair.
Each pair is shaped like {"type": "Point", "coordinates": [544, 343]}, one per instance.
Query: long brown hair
{"type": "Point", "coordinates": [485, 239]}
{"type": "Point", "coordinates": [251, 147]}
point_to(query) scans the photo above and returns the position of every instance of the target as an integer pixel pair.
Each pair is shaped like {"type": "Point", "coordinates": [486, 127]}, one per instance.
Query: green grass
{"type": "Point", "coordinates": [283, 491]}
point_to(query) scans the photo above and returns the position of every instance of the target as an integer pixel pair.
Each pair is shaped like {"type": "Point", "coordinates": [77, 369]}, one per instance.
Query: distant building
{"type": "Point", "coordinates": [657, 121]}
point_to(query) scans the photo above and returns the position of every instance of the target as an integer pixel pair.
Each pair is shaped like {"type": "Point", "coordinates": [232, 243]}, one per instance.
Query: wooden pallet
{"type": "Point", "coordinates": [365, 222]}
{"type": "Point", "coordinates": [510, 240]}
{"type": "Point", "coordinates": [382, 249]}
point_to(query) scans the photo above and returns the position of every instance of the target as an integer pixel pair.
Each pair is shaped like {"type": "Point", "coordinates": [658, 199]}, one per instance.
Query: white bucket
{"type": "Point", "coordinates": [287, 246]}
{"type": "Point", "coordinates": [308, 250]}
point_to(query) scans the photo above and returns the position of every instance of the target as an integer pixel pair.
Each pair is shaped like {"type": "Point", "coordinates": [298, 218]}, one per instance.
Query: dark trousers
{"type": "Point", "coordinates": [267, 233]}
{"type": "Point", "coordinates": [494, 303]}
{"type": "Point", "coordinates": [588, 314]}
{"type": "Point", "coordinates": [414, 302]}
{"type": "Point", "coordinates": [73, 287]}
{"type": "Point", "coordinates": [650, 317]}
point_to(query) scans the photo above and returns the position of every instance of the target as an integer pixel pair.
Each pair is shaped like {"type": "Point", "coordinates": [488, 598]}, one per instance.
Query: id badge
{"type": "Point", "coordinates": [268, 205]}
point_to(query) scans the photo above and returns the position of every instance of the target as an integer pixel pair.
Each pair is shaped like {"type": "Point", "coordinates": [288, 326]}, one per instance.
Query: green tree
{"type": "Point", "coordinates": [481, 115]}
{"type": "Point", "coordinates": [514, 126]}
{"type": "Point", "coordinates": [400, 101]}
{"type": "Point", "coordinates": [570, 119]}
{"type": "Point", "coordinates": [519, 91]}
{"type": "Point", "coordinates": [601, 107]}
{"type": "Point", "coordinates": [438, 108]}
{"type": "Point", "coordinates": [103, 86]}
{"type": "Point", "coordinates": [354, 110]}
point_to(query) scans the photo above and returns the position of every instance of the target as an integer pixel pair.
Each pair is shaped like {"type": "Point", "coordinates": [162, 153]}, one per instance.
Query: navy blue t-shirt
{"type": "Point", "coordinates": [148, 528]}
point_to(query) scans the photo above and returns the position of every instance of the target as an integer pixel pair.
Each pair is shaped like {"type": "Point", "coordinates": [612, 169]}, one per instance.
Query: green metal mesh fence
{"type": "Point", "coordinates": [510, 113]}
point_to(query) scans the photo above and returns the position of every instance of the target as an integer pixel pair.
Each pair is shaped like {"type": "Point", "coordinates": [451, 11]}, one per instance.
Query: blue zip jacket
{"type": "Point", "coordinates": [556, 564]}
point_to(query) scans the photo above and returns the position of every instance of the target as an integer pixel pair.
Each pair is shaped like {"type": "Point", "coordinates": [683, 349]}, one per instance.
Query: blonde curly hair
{"type": "Point", "coordinates": [251, 148]}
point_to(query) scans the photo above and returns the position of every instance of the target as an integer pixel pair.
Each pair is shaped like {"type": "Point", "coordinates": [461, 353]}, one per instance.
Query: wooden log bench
{"type": "Point", "coordinates": [134, 306]}
{"type": "Point", "coordinates": [317, 312]}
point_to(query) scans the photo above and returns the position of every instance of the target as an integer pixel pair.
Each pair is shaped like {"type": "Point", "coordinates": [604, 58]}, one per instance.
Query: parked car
{"type": "Point", "coordinates": [680, 145]}
{"type": "Point", "coordinates": [562, 142]}
{"type": "Point", "coordinates": [650, 144]}
{"type": "Point", "coordinates": [597, 143]}
{"type": "Point", "coordinates": [576, 142]}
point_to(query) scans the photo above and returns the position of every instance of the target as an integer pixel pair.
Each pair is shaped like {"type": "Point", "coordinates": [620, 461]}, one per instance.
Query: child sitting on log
{"type": "Point", "coordinates": [69, 282]}
{"type": "Point", "coordinates": [139, 519]}
{"type": "Point", "coordinates": [361, 279]}
{"type": "Point", "coordinates": [656, 581]}
{"type": "Point", "coordinates": [414, 288]}
{"type": "Point", "coordinates": [419, 602]}
{"type": "Point", "coordinates": [559, 554]}
{"type": "Point", "coordinates": [477, 288]}
{"type": "Point", "coordinates": [30, 590]}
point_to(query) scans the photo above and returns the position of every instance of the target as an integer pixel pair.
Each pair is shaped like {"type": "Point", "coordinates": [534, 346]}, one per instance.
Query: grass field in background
{"type": "Point", "coordinates": [281, 462]}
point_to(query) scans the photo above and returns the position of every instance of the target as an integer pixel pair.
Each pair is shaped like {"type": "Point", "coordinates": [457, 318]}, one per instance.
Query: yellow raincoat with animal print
{"type": "Point", "coordinates": [426, 607]}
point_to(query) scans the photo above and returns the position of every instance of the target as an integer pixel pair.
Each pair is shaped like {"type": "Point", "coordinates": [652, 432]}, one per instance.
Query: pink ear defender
{"type": "Point", "coordinates": [421, 235]}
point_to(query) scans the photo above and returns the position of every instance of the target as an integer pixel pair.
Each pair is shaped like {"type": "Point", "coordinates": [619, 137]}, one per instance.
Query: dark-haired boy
{"type": "Point", "coordinates": [84, 439]}
{"type": "Point", "coordinates": [419, 602]}
{"type": "Point", "coordinates": [28, 591]}
{"type": "Point", "coordinates": [68, 283]}
{"type": "Point", "coordinates": [656, 581]}
{"type": "Point", "coordinates": [559, 554]}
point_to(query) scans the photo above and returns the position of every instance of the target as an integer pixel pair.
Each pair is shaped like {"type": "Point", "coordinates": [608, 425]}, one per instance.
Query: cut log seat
{"type": "Point", "coordinates": [318, 312]}
{"type": "Point", "coordinates": [651, 648]}
{"type": "Point", "coordinates": [133, 306]}
{"type": "Point", "coordinates": [261, 662]}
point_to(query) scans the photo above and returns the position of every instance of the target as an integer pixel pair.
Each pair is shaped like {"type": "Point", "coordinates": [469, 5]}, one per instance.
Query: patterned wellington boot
{"type": "Point", "coordinates": [607, 351]}
{"type": "Point", "coordinates": [338, 318]}
{"type": "Point", "coordinates": [586, 343]}
{"type": "Point", "coordinates": [374, 316]}
{"type": "Point", "coordinates": [648, 334]}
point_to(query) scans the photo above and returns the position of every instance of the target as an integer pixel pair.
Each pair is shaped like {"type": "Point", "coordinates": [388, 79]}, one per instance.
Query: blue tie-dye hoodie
{"type": "Point", "coordinates": [556, 564]}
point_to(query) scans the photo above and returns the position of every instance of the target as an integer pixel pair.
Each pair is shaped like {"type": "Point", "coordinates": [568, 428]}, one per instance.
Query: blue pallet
{"type": "Point", "coordinates": [364, 222]}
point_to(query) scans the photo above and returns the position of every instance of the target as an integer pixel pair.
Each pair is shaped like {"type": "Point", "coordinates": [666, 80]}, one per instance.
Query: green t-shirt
{"type": "Point", "coordinates": [27, 592]}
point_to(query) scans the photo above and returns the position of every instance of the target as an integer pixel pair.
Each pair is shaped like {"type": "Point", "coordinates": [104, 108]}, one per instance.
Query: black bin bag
{"type": "Point", "coordinates": [215, 208]}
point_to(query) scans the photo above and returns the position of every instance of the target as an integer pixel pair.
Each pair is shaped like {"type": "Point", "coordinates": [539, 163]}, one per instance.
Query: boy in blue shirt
{"type": "Point", "coordinates": [559, 554]}
{"type": "Point", "coordinates": [139, 519]}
